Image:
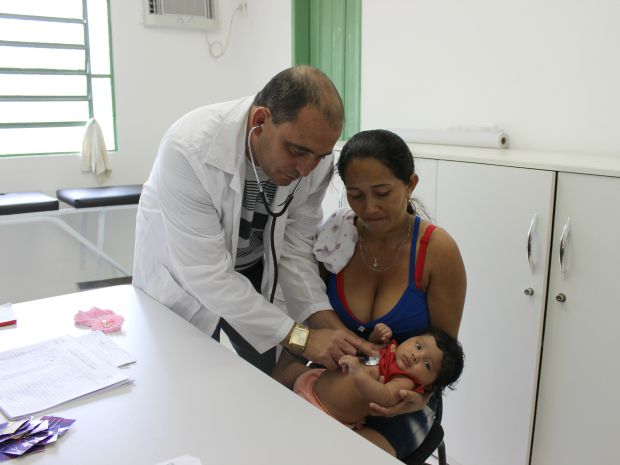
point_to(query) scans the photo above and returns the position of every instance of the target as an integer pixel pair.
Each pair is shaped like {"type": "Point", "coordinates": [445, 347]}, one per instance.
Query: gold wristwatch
{"type": "Point", "coordinates": [298, 337]}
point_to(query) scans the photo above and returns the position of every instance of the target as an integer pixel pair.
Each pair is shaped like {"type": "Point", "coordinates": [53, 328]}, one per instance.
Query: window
{"type": "Point", "coordinates": [55, 74]}
{"type": "Point", "coordinates": [326, 34]}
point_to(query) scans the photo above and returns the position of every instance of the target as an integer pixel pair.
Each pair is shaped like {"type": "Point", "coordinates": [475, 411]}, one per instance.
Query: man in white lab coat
{"type": "Point", "coordinates": [200, 248]}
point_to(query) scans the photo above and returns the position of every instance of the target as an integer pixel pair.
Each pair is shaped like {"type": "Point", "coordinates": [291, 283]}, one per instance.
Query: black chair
{"type": "Point", "coordinates": [26, 202]}
{"type": "Point", "coordinates": [432, 442]}
{"type": "Point", "coordinates": [88, 197]}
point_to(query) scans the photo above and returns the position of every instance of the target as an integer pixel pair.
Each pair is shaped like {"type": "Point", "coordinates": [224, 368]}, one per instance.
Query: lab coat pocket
{"type": "Point", "coordinates": [170, 293]}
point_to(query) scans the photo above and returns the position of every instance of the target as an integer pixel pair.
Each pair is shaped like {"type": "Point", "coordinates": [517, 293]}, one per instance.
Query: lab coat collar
{"type": "Point", "coordinates": [224, 155]}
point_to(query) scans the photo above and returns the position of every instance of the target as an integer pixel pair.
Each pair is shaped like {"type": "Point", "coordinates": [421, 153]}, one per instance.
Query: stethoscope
{"type": "Point", "coordinates": [272, 214]}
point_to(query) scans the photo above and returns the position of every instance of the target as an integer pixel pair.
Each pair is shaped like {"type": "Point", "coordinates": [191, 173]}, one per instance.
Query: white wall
{"type": "Point", "coordinates": [547, 72]}
{"type": "Point", "coordinates": [159, 74]}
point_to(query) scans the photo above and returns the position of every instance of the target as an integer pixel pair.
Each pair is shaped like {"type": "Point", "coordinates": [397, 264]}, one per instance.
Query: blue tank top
{"type": "Point", "coordinates": [407, 318]}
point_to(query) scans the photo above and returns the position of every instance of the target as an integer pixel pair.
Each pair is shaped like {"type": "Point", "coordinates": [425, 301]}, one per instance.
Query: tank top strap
{"type": "Point", "coordinates": [419, 267]}
{"type": "Point", "coordinates": [414, 240]}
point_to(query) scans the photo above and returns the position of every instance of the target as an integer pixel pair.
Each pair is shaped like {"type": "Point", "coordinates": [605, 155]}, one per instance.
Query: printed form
{"type": "Point", "coordinates": [43, 375]}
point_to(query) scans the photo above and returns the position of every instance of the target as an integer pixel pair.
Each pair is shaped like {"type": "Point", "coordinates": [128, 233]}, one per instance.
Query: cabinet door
{"type": "Point", "coordinates": [488, 210]}
{"type": "Point", "coordinates": [578, 408]}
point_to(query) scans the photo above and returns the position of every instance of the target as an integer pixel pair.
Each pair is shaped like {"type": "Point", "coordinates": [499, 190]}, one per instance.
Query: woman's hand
{"type": "Point", "coordinates": [410, 402]}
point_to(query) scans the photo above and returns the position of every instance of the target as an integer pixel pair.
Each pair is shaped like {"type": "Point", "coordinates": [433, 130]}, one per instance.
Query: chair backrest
{"type": "Point", "coordinates": [432, 442]}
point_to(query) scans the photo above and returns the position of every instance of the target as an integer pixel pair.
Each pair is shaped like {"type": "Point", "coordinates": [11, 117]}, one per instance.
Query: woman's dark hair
{"type": "Point", "coordinates": [453, 360]}
{"type": "Point", "coordinates": [294, 88]}
{"type": "Point", "coordinates": [385, 147]}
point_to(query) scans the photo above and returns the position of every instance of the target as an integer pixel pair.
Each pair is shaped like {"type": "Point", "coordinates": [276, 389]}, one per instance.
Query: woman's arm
{"type": "Point", "coordinates": [445, 282]}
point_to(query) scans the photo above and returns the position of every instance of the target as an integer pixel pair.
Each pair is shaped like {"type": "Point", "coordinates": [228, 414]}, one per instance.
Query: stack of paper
{"type": "Point", "coordinates": [40, 376]}
{"type": "Point", "coordinates": [22, 437]}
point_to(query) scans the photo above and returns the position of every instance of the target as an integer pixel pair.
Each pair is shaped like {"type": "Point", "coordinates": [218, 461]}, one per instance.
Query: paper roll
{"type": "Point", "coordinates": [469, 138]}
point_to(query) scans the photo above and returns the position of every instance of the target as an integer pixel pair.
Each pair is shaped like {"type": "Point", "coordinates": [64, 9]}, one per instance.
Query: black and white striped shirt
{"type": "Point", "coordinates": [254, 217]}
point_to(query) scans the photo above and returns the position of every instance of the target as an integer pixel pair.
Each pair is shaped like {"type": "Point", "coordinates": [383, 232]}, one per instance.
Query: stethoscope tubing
{"type": "Point", "coordinates": [274, 215]}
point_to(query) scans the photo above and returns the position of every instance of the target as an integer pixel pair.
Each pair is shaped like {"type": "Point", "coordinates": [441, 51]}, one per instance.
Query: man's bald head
{"type": "Point", "coordinates": [295, 88]}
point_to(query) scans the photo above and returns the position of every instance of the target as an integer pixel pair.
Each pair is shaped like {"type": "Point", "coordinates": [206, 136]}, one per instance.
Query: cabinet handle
{"type": "Point", "coordinates": [563, 242]}
{"type": "Point", "coordinates": [560, 297]}
{"type": "Point", "coordinates": [530, 259]}
{"type": "Point", "coordinates": [529, 291]}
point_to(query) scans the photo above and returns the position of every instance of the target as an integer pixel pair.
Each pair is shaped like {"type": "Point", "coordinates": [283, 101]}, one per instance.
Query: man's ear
{"type": "Point", "coordinates": [260, 116]}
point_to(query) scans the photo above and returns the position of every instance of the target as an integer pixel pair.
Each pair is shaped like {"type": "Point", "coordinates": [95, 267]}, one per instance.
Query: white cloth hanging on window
{"type": "Point", "coordinates": [94, 153]}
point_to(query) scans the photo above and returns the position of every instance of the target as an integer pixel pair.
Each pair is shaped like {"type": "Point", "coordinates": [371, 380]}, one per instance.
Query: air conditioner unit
{"type": "Point", "coordinates": [190, 14]}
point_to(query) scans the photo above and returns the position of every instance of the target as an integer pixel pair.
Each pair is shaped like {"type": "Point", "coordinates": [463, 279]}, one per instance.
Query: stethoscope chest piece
{"type": "Point", "coordinates": [371, 360]}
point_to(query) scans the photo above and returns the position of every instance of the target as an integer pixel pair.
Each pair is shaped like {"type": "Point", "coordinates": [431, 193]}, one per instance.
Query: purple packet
{"type": "Point", "coordinates": [22, 445]}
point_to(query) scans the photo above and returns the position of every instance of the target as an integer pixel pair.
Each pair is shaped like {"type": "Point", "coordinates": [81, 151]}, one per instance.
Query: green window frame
{"type": "Point", "coordinates": [55, 74]}
{"type": "Point", "coordinates": [327, 35]}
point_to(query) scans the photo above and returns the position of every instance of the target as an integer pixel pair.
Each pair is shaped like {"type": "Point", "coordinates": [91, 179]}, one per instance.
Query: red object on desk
{"type": "Point", "coordinates": [7, 316]}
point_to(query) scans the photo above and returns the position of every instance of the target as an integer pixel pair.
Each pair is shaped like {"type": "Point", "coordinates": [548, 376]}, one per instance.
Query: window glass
{"type": "Point", "coordinates": [50, 8]}
{"type": "Point", "coordinates": [42, 58]}
{"type": "Point", "coordinates": [55, 75]}
{"type": "Point", "coordinates": [40, 140]}
{"type": "Point", "coordinates": [39, 112]}
{"type": "Point", "coordinates": [45, 32]}
{"type": "Point", "coordinates": [98, 37]}
{"type": "Point", "coordinates": [42, 85]}
{"type": "Point", "coordinates": [102, 102]}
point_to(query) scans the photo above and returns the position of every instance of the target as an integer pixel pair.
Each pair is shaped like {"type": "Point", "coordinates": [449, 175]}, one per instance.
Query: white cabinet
{"type": "Point", "coordinates": [578, 407]}
{"type": "Point", "coordinates": [489, 212]}
{"type": "Point", "coordinates": [510, 407]}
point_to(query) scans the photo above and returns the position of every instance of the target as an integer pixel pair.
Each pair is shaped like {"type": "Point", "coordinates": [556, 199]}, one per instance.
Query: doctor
{"type": "Point", "coordinates": [203, 248]}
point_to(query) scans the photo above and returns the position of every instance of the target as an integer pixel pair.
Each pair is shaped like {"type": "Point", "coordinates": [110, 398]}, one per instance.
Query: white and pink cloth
{"type": "Point", "coordinates": [335, 243]}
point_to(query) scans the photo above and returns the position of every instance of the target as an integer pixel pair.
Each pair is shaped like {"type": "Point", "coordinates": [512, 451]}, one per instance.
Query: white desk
{"type": "Point", "coordinates": [190, 396]}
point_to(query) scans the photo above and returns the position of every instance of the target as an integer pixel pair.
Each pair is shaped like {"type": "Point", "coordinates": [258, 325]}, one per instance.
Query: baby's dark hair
{"type": "Point", "coordinates": [453, 360]}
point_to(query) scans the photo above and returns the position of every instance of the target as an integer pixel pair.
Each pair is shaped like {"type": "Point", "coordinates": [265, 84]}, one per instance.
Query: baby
{"type": "Point", "coordinates": [425, 363]}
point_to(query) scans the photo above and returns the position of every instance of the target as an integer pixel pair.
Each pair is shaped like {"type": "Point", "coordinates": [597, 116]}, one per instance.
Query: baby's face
{"type": "Point", "coordinates": [421, 358]}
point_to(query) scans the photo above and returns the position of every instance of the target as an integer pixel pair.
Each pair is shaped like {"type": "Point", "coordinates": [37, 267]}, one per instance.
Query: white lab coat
{"type": "Point", "coordinates": [188, 227]}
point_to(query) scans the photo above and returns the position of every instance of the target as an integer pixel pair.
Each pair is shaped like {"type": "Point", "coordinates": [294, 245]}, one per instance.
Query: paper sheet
{"type": "Point", "coordinates": [104, 347]}
{"type": "Point", "coordinates": [183, 460]}
{"type": "Point", "coordinates": [41, 376]}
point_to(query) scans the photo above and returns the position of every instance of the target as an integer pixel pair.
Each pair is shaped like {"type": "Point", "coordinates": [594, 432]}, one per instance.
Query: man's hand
{"type": "Point", "coordinates": [327, 346]}
{"type": "Point", "coordinates": [410, 402]}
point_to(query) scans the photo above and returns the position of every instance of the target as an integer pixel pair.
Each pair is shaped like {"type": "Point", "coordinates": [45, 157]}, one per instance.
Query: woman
{"type": "Point", "coordinates": [387, 265]}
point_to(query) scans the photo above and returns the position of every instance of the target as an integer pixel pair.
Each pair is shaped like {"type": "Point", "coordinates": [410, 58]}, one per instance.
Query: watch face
{"type": "Point", "coordinates": [299, 336]}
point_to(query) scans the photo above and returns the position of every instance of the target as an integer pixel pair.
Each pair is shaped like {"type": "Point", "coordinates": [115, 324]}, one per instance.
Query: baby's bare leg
{"type": "Point", "coordinates": [377, 439]}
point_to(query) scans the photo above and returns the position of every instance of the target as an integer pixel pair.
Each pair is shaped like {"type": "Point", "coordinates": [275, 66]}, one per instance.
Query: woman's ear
{"type": "Point", "coordinates": [413, 182]}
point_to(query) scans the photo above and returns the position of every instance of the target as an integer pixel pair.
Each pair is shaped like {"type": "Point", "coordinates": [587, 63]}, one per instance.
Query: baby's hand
{"type": "Point", "coordinates": [349, 363]}
{"type": "Point", "coordinates": [381, 334]}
